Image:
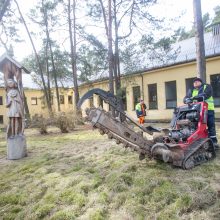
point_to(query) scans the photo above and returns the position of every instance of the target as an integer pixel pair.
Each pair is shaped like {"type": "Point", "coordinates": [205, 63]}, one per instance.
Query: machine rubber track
{"type": "Point", "coordinates": [199, 152]}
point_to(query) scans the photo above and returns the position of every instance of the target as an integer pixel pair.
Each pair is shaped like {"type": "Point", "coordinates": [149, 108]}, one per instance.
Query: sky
{"type": "Point", "coordinates": [173, 8]}
{"type": "Point", "coordinates": [165, 8]}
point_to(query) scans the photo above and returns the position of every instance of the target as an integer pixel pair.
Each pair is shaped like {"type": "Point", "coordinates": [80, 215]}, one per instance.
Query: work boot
{"type": "Point", "coordinates": [216, 146]}
{"type": "Point", "coordinates": [215, 143]}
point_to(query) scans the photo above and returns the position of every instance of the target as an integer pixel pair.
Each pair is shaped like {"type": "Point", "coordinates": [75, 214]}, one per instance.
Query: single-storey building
{"type": "Point", "coordinates": [162, 85]}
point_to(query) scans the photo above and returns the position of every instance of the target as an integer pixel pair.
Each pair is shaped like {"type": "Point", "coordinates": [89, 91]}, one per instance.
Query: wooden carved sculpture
{"type": "Point", "coordinates": [16, 141]}
{"type": "Point", "coordinates": [14, 99]}
{"type": "Point", "coordinates": [16, 112]}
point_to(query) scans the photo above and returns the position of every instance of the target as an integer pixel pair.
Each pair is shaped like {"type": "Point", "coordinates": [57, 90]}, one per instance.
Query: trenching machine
{"type": "Point", "coordinates": [185, 144]}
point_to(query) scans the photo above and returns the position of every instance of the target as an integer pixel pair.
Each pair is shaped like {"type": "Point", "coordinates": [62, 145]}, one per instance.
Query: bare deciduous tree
{"type": "Point", "coordinates": [107, 17]}
{"type": "Point", "coordinates": [72, 37]}
{"type": "Point", "coordinates": [37, 59]}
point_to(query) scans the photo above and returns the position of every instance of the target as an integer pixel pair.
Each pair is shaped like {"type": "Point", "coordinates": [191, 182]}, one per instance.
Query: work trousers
{"type": "Point", "coordinates": [141, 120]}
{"type": "Point", "coordinates": [211, 126]}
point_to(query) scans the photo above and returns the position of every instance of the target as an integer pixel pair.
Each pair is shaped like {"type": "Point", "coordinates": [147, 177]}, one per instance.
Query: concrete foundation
{"type": "Point", "coordinates": [16, 147]}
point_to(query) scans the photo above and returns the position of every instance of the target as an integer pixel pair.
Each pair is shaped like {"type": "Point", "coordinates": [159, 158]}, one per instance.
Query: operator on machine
{"type": "Point", "coordinates": [203, 92]}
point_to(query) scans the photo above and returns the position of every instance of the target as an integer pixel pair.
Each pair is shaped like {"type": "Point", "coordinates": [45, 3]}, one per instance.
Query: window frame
{"type": "Point", "coordinates": [63, 100]}
{"type": "Point", "coordinates": [1, 100]}
{"type": "Point", "coordinates": [34, 99]}
{"type": "Point", "coordinates": [70, 99]}
{"type": "Point", "coordinates": [215, 97]}
{"type": "Point", "coordinates": [149, 102]}
{"type": "Point", "coordinates": [1, 119]}
{"type": "Point", "coordinates": [189, 81]}
{"type": "Point", "coordinates": [168, 100]}
{"type": "Point", "coordinates": [100, 102]}
{"type": "Point", "coordinates": [91, 102]}
{"type": "Point", "coordinates": [123, 96]}
{"type": "Point", "coordinates": [136, 99]}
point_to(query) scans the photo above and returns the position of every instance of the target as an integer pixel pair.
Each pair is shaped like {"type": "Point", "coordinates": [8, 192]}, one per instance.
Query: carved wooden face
{"type": "Point", "coordinates": [11, 84]}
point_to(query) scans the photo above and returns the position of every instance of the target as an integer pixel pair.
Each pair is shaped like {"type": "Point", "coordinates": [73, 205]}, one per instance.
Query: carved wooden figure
{"type": "Point", "coordinates": [16, 141]}
{"type": "Point", "coordinates": [16, 110]}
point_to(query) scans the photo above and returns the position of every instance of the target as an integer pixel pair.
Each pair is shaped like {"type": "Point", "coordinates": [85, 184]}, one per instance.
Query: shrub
{"type": "Point", "coordinates": [77, 117]}
{"type": "Point", "coordinates": [38, 121]}
{"type": "Point", "coordinates": [61, 121]}
{"type": "Point", "coordinates": [64, 121]}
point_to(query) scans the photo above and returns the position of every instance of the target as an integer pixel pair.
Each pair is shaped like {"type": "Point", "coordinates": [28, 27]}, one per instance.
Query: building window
{"type": "Point", "coordinates": [124, 98]}
{"type": "Point", "coordinates": [34, 101]}
{"type": "Point", "coordinates": [61, 99]}
{"type": "Point", "coordinates": [189, 84]}
{"type": "Point", "coordinates": [51, 100]}
{"type": "Point", "coordinates": [170, 88]}
{"type": "Point", "coordinates": [215, 83]}
{"type": "Point", "coordinates": [70, 99]}
{"type": "Point", "coordinates": [152, 96]}
{"type": "Point", "coordinates": [136, 95]}
{"type": "Point", "coordinates": [100, 102]}
{"type": "Point", "coordinates": [91, 104]}
{"type": "Point", "coordinates": [1, 100]}
{"type": "Point", "coordinates": [1, 119]}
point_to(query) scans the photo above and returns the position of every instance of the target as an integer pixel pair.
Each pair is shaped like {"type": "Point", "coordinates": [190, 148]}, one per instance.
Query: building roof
{"type": "Point", "coordinates": [33, 81]}
{"type": "Point", "coordinates": [27, 81]}
{"type": "Point", "coordinates": [188, 47]}
{"type": "Point", "coordinates": [30, 80]}
{"type": "Point", "coordinates": [186, 52]}
{"type": "Point", "coordinates": [5, 57]}
{"type": "Point", "coordinates": [180, 52]}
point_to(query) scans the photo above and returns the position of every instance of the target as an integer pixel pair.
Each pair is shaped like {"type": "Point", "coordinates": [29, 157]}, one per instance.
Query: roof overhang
{"type": "Point", "coordinates": [6, 57]}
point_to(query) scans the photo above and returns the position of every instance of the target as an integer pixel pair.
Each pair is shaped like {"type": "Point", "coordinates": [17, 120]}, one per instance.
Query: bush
{"type": "Point", "coordinates": [64, 121]}
{"type": "Point", "coordinates": [38, 121]}
{"type": "Point", "coordinates": [77, 117]}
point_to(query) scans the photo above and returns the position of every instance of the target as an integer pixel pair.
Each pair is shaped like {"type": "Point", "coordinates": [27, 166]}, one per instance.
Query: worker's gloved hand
{"type": "Point", "coordinates": [188, 100]}
{"type": "Point", "coordinates": [198, 98]}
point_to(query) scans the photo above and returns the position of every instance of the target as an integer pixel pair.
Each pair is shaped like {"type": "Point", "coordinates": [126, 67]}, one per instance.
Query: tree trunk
{"type": "Point", "coordinates": [4, 9]}
{"type": "Point", "coordinates": [199, 37]}
{"type": "Point", "coordinates": [38, 60]}
{"type": "Point", "coordinates": [72, 35]}
{"type": "Point", "coordinates": [54, 74]}
{"type": "Point", "coordinates": [55, 78]}
{"type": "Point", "coordinates": [110, 53]}
{"type": "Point", "coordinates": [117, 74]}
{"type": "Point", "coordinates": [27, 112]}
{"type": "Point", "coordinates": [52, 58]}
{"type": "Point", "coordinates": [108, 30]}
{"type": "Point", "coordinates": [48, 75]}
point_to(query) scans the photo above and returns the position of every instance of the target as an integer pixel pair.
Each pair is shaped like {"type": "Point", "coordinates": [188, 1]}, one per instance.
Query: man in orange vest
{"type": "Point", "coordinates": [141, 111]}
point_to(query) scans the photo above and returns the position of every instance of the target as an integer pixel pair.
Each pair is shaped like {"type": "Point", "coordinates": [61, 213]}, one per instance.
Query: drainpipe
{"type": "Point", "coordinates": [142, 85]}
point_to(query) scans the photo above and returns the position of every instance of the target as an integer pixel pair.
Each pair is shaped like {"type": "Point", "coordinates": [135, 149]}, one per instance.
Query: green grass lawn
{"type": "Point", "coordinates": [83, 175]}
